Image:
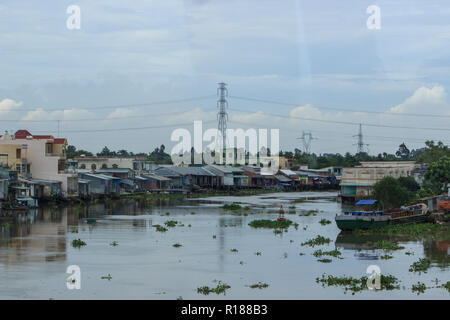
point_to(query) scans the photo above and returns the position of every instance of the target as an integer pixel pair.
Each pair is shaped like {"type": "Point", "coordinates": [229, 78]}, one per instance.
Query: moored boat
{"type": "Point", "coordinates": [374, 219]}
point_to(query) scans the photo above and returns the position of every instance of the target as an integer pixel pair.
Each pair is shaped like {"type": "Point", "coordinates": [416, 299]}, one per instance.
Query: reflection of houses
{"type": "Point", "coordinates": [100, 184]}
{"type": "Point", "coordinates": [39, 157]}
{"type": "Point", "coordinates": [358, 181]}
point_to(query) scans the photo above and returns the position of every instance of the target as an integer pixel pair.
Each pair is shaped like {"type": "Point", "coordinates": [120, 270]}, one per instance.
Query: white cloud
{"type": "Point", "coordinates": [8, 105]}
{"type": "Point", "coordinates": [66, 114]}
{"type": "Point", "coordinates": [425, 100]}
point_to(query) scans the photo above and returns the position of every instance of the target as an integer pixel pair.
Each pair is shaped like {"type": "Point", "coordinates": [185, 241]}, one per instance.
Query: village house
{"type": "Point", "coordinates": [229, 176]}
{"type": "Point", "coordinates": [191, 177]}
{"type": "Point", "coordinates": [100, 184]}
{"type": "Point", "coordinates": [39, 157]}
{"type": "Point", "coordinates": [357, 182]}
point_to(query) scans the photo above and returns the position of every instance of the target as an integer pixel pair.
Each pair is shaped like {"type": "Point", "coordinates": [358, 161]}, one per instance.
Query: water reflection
{"type": "Point", "coordinates": [437, 251]}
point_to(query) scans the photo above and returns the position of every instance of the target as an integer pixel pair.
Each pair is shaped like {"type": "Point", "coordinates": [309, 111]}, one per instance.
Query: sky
{"type": "Point", "coordinates": [137, 70]}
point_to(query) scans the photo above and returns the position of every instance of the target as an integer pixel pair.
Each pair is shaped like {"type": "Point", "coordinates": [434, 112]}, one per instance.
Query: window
{"type": "Point", "coordinates": [93, 166]}
{"type": "Point", "coordinates": [83, 166]}
{"type": "Point", "coordinates": [104, 166]}
{"type": "Point", "coordinates": [18, 153]}
{"type": "Point", "coordinates": [18, 167]}
{"type": "Point", "coordinates": [49, 148]}
{"type": "Point", "coordinates": [115, 166]}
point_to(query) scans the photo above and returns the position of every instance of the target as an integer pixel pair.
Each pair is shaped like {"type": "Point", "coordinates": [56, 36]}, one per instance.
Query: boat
{"type": "Point", "coordinates": [369, 218]}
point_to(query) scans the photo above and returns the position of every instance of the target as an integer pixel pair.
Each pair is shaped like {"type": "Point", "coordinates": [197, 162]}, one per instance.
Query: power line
{"type": "Point", "coordinates": [116, 106]}
{"type": "Point", "coordinates": [344, 109]}
{"type": "Point", "coordinates": [127, 129]}
{"type": "Point", "coordinates": [344, 122]}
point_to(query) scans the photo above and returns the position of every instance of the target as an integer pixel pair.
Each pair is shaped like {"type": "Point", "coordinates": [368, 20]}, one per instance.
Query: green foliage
{"type": "Point", "coordinates": [317, 241]}
{"type": "Point", "coordinates": [324, 222]}
{"type": "Point", "coordinates": [356, 285]}
{"type": "Point", "coordinates": [259, 285]}
{"type": "Point", "coordinates": [232, 206]}
{"type": "Point", "coordinates": [384, 245]}
{"type": "Point", "coordinates": [419, 288]}
{"type": "Point", "coordinates": [72, 152]}
{"type": "Point", "coordinates": [272, 224]}
{"type": "Point", "coordinates": [390, 193]}
{"type": "Point", "coordinates": [159, 156]}
{"type": "Point", "coordinates": [438, 174]}
{"type": "Point", "coordinates": [433, 152]}
{"type": "Point", "coordinates": [412, 231]}
{"type": "Point", "coordinates": [78, 243]}
{"type": "Point", "coordinates": [420, 266]}
{"type": "Point", "coordinates": [219, 289]}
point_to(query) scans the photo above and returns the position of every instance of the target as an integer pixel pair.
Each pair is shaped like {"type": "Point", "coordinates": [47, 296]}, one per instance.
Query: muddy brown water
{"type": "Point", "coordinates": [36, 251]}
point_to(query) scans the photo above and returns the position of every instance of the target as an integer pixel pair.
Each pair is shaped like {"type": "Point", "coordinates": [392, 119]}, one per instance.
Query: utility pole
{"type": "Point", "coordinates": [222, 115]}
{"type": "Point", "coordinates": [360, 144]}
{"type": "Point", "coordinates": [307, 138]}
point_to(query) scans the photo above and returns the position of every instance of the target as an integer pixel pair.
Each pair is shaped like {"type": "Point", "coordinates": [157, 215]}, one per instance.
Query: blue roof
{"type": "Point", "coordinates": [364, 202]}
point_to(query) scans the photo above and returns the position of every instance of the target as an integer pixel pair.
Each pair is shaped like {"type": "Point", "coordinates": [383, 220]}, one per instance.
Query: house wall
{"type": "Point", "coordinates": [44, 165]}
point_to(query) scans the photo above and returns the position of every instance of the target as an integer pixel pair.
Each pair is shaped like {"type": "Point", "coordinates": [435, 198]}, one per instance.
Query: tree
{"type": "Point", "coordinates": [403, 152]}
{"type": "Point", "coordinates": [105, 152]}
{"type": "Point", "coordinates": [72, 152]}
{"type": "Point", "coordinates": [433, 152]}
{"type": "Point", "coordinates": [159, 156]}
{"type": "Point", "coordinates": [409, 183]}
{"type": "Point", "coordinates": [390, 193]}
{"type": "Point", "coordinates": [437, 174]}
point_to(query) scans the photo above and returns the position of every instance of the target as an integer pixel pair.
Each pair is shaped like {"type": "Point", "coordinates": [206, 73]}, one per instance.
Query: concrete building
{"type": "Point", "coordinates": [138, 164]}
{"type": "Point", "coordinates": [357, 182]}
{"type": "Point", "coordinates": [38, 156]}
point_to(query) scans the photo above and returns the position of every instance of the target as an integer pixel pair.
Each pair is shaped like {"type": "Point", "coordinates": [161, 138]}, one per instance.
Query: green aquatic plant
{"type": "Point", "coordinates": [333, 253]}
{"type": "Point", "coordinates": [386, 257]}
{"type": "Point", "coordinates": [219, 289]}
{"type": "Point", "coordinates": [271, 224]}
{"type": "Point", "coordinates": [413, 231]}
{"type": "Point", "coordinates": [234, 250]}
{"type": "Point", "coordinates": [108, 277]}
{"type": "Point", "coordinates": [325, 260]}
{"type": "Point", "coordinates": [214, 236]}
{"type": "Point", "coordinates": [177, 245]}
{"type": "Point", "coordinates": [324, 222]}
{"type": "Point", "coordinates": [422, 265]}
{"type": "Point", "coordinates": [114, 243]}
{"type": "Point", "coordinates": [259, 285]}
{"type": "Point", "coordinates": [78, 243]}
{"type": "Point", "coordinates": [384, 245]}
{"type": "Point", "coordinates": [160, 228]}
{"type": "Point", "coordinates": [258, 253]}
{"type": "Point", "coordinates": [317, 241]}
{"type": "Point", "coordinates": [419, 288]}
{"type": "Point", "coordinates": [232, 206]}
{"type": "Point", "coordinates": [446, 286]}
{"type": "Point", "coordinates": [356, 285]}
{"type": "Point", "coordinates": [171, 223]}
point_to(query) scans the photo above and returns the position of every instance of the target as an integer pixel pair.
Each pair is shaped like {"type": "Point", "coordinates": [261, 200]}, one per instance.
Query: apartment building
{"type": "Point", "coordinates": [357, 182]}
{"type": "Point", "coordinates": [38, 157]}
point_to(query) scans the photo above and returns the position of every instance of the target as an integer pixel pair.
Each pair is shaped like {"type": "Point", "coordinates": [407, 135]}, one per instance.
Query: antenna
{"type": "Point", "coordinates": [307, 138]}
{"type": "Point", "coordinates": [360, 144]}
{"type": "Point", "coordinates": [222, 115]}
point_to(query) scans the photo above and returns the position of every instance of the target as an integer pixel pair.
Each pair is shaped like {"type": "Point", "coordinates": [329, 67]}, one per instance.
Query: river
{"type": "Point", "coordinates": [216, 245]}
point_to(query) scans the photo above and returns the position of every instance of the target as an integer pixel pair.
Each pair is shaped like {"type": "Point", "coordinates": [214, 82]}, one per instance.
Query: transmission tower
{"type": "Point", "coordinates": [360, 144]}
{"type": "Point", "coordinates": [222, 115]}
{"type": "Point", "coordinates": [307, 138]}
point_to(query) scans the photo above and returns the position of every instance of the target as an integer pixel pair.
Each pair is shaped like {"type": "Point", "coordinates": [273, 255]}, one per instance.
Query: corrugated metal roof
{"type": "Point", "coordinates": [100, 176]}
{"type": "Point", "coordinates": [288, 172]}
{"type": "Point", "coordinates": [114, 170]}
{"type": "Point", "coordinates": [154, 176]}
{"type": "Point", "coordinates": [281, 178]}
{"type": "Point", "coordinates": [183, 171]}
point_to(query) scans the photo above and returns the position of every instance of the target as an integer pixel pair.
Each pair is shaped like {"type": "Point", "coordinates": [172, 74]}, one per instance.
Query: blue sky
{"type": "Point", "coordinates": [315, 55]}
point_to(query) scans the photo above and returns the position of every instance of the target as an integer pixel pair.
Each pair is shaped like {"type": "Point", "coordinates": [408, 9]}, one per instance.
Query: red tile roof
{"type": "Point", "coordinates": [23, 134]}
